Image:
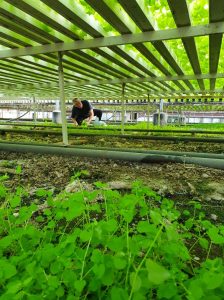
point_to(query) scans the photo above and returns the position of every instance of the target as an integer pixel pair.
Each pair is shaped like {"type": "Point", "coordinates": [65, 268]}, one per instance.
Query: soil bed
{"type": "Point", "coordinates": [115, 142]}
{"type": "Point", "coordinates": [179, 182]}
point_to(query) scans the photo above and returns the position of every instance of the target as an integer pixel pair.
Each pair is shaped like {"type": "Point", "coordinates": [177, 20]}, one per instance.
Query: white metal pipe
{"type": "Point", "coordinates": [62, 99]}
{"type": "Point", "coordinates": [122, 108]}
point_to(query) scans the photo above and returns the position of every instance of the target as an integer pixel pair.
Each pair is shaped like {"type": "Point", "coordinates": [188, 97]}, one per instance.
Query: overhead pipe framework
{"type": "Point", "coordinates": [114, 155]}
{"type": "Point", "coordinates": [140, 100]}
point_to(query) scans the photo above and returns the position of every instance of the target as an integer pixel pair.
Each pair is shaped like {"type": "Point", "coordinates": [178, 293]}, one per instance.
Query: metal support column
{"type": "Point", "coordinates": [62, 99]}
{"type": "Point", "coordinates": [122, 109]}
{"type": "Point", "coordinates": [34, 110]}
{"type": "Point", "coordinates": [160, 110]}
{"type": "Point", "coordinates": [148, 113]}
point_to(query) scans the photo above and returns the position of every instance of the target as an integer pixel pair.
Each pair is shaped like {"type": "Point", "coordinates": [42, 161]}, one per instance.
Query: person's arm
{"type": "Point", "coordinates": [74, 121]}
{"type": "Point", "coordinates": [91, 115]}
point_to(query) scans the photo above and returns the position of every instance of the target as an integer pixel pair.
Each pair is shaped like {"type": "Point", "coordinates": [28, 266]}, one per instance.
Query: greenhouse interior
{"type": "Point", "coordinates": [112, 149]}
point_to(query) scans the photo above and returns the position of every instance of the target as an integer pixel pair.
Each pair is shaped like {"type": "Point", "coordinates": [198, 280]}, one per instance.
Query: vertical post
{"type": "Point", "coordinates": [159, 124]}
{"type": "Point", "coordinates": [122, 109]}
{"type": "Point", "coordinates": [160, 110]}
{"type": "Point", "coordinates": [62, 99]}
{"type": "Point", "coordinates": [18, 112]}
{"type": "Point", "coordinates": [115, 115]}
{"type": "Point", "coordinates": [161, 105]}
{"type": "Point", "coordinates": [42, 110]}
{"type": "Point", "coordinates": [34, 110]}
{"type": "Point", "coordinates": [148, 113]}
{"type": "Point", "coordinates": [179, 116]}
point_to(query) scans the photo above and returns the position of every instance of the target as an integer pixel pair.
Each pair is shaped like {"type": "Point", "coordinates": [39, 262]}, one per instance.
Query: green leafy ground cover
{"type": "Point", "coordinates": [214, 126]}
{"type": "Point", "coordinates": [107, 245]}
{"type": "Point", "coordinates": [217, 126]}
{"type": "Point", "coordinates": [111, 129]}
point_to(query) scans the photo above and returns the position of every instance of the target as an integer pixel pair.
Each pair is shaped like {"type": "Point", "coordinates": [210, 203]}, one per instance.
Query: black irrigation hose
{"type": "Point", "coordinates": [115, 155]}
{"type": "Point", "coordinates": [126, 136]}
{"type": "Point", "coordinates": [159, 152]}
{"type": "Point", "coordinates": [10, 120]}
{"type": "Point", "coordinates": [136, 150]}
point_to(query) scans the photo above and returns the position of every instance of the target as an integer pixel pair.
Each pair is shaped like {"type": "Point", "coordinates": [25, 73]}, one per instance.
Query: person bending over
{"type": "Point", "coordinates": [83, 110]}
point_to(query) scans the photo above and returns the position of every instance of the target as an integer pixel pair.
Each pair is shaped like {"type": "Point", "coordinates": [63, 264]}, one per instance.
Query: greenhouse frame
{"type": "Point", "coordinates": [108, 49]}
{"type": "Point", "coordinates": [114, 38]}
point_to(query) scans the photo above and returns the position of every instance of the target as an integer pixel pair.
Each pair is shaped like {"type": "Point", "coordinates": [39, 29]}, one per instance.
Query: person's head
{"type": "Point", "coordinates": [77, 103]}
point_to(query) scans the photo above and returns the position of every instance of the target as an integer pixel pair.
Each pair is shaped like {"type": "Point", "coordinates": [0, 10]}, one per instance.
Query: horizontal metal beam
{"type": "Point", "coordinates": [151, 36]}
{"type": "Point", "coordinates": [100, 96]}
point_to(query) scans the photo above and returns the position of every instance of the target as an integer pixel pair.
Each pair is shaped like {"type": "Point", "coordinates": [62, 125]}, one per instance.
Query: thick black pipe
{"type": "Point", "coordinates": [125, 156]}
{"type": "Point", "coordinates": [127, 136]}
{"type": "Point", "coordinates": [136, 150]}
{"type": "Point", "coordinates": [158, 152]}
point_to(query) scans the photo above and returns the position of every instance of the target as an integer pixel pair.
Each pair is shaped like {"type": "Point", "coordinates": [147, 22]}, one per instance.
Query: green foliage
{"type": "Point", "coordinates": [129, 246]}
{"type": "Point", "coordinates": [80, 174]}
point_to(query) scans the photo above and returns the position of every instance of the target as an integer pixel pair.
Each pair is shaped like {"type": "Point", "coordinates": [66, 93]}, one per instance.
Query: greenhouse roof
{"type": "Point", "coordinates": [155, 47]}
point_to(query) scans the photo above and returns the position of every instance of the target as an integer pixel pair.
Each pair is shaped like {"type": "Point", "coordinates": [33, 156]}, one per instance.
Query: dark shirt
{"type": "Point", "coordinates": [81, 112]}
